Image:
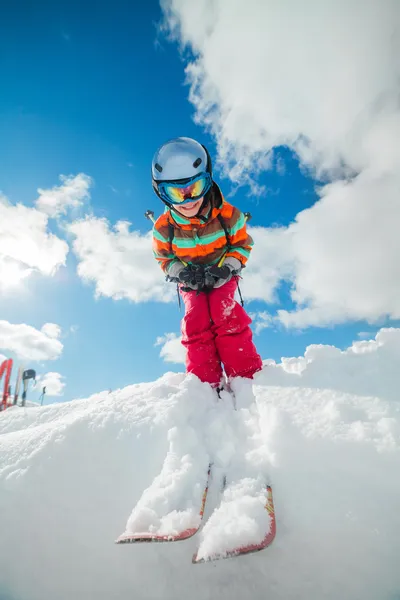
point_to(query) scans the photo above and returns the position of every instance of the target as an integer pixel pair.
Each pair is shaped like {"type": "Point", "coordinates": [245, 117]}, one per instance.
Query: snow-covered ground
{"type": "Point", "coordinates": [324, 429]}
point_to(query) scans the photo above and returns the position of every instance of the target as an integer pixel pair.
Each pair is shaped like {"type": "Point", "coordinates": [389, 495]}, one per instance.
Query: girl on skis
{"type": "Point", "coordinates": [201, 242]}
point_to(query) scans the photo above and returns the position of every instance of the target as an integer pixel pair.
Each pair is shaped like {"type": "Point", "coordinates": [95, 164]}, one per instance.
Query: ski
{"type": "Point", "coordinates": [147, 536]}
{"type": "Point", "coordinates": [249, 548]}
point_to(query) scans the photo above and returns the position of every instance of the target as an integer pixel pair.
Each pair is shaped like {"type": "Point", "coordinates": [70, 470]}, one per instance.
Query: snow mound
{"type": "Point", "coordinates": [75, 476]}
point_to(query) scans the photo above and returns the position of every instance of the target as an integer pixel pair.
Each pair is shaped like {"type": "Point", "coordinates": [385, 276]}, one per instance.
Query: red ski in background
{"type": "Point", "coordinates": [5, 369]}
{"type": "Point", "coordinates": [24, 376]}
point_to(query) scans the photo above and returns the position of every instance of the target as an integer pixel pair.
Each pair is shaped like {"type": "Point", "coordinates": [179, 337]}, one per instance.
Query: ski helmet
{"type": "Point", "coordinates": [181, 171]}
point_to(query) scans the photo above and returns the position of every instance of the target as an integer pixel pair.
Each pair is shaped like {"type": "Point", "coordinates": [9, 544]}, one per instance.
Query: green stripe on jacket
{"type": "Point", "coordinates": [238, 225]}
{"type": "Point", "coordinates": [160, 237]}
{"type": "Point", "coordinates": [242, 251]}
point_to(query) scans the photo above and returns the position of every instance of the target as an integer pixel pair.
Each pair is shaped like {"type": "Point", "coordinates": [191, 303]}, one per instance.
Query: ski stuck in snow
{"type": "Point", "coordinates": [241, 518]}
{"type": "Point", "coordinates": [224, 548]}
{"type": "Point", "coordinates": [176, 536]}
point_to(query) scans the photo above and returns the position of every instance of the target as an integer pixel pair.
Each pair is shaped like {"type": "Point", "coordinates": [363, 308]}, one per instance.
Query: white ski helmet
{"type": "Point", "coordinates": [181, 171]}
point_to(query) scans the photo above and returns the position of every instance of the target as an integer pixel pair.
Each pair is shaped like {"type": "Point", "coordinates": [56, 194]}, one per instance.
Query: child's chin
{"type": "Point", "coordinates": [190, 212]}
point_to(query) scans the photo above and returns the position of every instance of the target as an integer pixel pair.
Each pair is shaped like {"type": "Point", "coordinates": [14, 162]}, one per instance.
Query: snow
{"type": "Point", "coordinates": [74, 476]}
{"type": "Point", "coordinates": [240, 520]}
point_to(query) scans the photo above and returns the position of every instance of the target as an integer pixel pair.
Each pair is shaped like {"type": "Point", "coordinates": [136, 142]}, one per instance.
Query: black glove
{"type": "Point", "coordinates": [223, 272]}
{"type": "Point", "coordinates": [192, 276]}
{"type": "Point", "coordinates": [198, 277]}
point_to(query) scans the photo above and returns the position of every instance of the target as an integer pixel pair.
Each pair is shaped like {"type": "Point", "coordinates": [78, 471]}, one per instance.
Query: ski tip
{"type": "Point", "coordinates": [151, 537]}
{"type": "Point", "coordinates": [250, 549]}
{"type": "Point", "coordinates": [196, 560]}
{"type": "Point", "coordinates": [137, 540]}
{"type": "Point", "coordinates": [176, 536]}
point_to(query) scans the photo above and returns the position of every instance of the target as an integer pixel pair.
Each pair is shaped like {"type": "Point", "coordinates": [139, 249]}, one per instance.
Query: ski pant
{"type": "Point", "coordinates": [215, 330]}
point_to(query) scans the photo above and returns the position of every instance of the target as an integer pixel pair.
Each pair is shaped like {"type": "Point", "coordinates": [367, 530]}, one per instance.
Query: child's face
{"type": "Point", "coordinates": [190, 209]}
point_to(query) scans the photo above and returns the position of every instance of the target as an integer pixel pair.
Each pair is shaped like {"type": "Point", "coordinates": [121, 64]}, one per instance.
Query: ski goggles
{"type": "Point", "coordinates": [185, 190]}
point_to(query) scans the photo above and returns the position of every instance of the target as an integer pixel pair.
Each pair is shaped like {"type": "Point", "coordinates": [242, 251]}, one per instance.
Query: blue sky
{"type": "Point", "coordinates": [95, 88]}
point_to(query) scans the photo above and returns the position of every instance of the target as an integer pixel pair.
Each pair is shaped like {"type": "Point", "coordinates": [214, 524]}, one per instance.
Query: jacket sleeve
{"type": "Point", "coordinates": [241, 242]}
{"type": "Point", "coordinates": [162, 246]}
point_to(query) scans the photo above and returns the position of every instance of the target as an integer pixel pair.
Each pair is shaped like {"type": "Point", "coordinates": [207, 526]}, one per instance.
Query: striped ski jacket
{"type": "Point", "coordinates": [202, 240]}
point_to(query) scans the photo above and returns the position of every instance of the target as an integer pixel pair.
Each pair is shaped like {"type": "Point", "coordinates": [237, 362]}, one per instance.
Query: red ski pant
{"type": "Point", "coordinates": [215, 330]}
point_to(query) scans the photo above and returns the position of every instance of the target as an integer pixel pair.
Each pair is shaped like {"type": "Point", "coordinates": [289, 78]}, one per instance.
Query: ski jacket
{"type": "Point", "coordinates": [204, 239]}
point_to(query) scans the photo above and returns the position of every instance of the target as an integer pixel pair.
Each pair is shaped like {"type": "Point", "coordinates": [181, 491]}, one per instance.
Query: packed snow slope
{"type": "Point", "coordinates": [74, 476]}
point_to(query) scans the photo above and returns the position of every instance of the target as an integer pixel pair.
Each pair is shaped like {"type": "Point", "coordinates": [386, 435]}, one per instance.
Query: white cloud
{"type": "Point", "coordinates": [270, 261]}
{"type": "Point", "coordinates": [53, 382]}
{"type": "Point", "coordinates": [172, 349]}
{"type": "Point", "coordinates": [290, 81]}
{"type": "Point", "coordinates": [72, 192]}
{"type": "Point", "coordinates": [323, 80]}
{"type": "Point", "coordinates": [261, 320]}
{"type": "Point", "coordinates": [368, 367]}
{"type": "Point", "coordinates": [51, 330]}
{"type": "Point", "coordinates": [119, 262]}
{"type": "Point", "coordinates": [345, 254]}
{"type": "Point", "coordinates": [340, 255]}
{"type": "Point", "coordinates": [26, 245]}
{"type": "Point", "coordinates": [29, 343]}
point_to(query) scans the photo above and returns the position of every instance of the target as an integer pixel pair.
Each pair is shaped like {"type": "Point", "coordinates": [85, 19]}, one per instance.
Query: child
{"type": "Point", "coordinates": [201, 243]}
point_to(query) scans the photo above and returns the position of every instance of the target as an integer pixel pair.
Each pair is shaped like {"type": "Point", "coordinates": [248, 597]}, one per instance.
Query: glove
{"type": "Point", "coordinates": [191, 276]}
{"type": "Point", "coordinates": [231, 266]}
{"type": "Point", "coordinates": [223, 272]}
